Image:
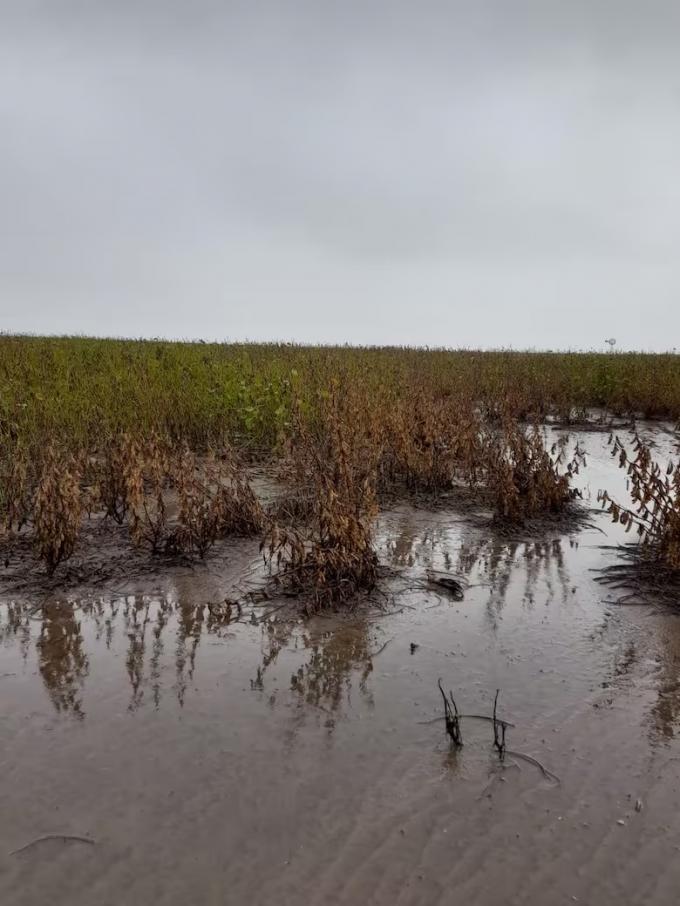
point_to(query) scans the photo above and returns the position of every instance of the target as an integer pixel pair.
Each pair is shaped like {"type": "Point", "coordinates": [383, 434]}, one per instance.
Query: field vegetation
{"type": "Point", "coordinates": [158, 437]}
{"type": "Point", "coordinates": [654, 511]}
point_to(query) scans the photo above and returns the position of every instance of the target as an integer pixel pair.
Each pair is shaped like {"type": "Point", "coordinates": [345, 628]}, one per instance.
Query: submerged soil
{"type": "Point", "coordinates": [215, 757]}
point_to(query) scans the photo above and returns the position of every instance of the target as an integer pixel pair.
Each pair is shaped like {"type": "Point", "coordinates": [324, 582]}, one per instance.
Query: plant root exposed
{"type": "Point", "coordinates": [642, 577]}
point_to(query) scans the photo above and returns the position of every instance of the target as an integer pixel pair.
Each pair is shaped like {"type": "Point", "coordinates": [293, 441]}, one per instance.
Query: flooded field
{"type": "Point", "coordinates": [208, 756]}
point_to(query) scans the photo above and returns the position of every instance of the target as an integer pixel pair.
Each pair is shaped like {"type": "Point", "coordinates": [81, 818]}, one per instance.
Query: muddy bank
{"type": "Point", "coordinates": [217, 758]}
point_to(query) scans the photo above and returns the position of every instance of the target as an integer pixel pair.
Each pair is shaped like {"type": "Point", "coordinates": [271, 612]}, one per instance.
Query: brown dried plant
{"type": "Point", "coordinates": [146, 474]}
{"type": "Point", "coordinates": [15, 493]}
{"type": "Point", "coordinates": [332, 558]}
{"type": "Point", "coordinates": [57, 507]}
{"type": "Point", "coordinates": [214, 500]}
{"type": "Point", "coordinates": [114, 474]}
{"type": "Point", "coordinates": [430, 443]}
{"type": "Point", "coordinates": [424, 443]}
{"type": "Point", "coordinates": [180, 503]}
{"type": "Point", "coordinates": [655, 493]}
{"type": "Point", "coordinates": [524, 477]}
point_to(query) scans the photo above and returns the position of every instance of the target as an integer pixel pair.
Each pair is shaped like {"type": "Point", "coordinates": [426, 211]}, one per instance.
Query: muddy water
{"type": "Point", "coordinates": [229, 761]}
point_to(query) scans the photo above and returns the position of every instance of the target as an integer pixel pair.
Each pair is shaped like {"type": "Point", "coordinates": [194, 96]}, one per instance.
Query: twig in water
{"type": "Point", "coordinates": [381, 649]}
{"type": "Point", "coordinates": [546, 773]}
{"type": "Point", "coordinates": [434, 720]}
{"type": "Point", "coordinates": [451, 716]}
{"type": "Point", "coordinates": [498, 736]}
{"type": "Point", "coordinates": [76, 838]}
{"type": "Point", "coordinates": [498, 720]}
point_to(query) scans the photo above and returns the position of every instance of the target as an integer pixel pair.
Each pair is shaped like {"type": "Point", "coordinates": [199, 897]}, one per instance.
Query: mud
{"type": "Point", "coordinates": [218, 757]}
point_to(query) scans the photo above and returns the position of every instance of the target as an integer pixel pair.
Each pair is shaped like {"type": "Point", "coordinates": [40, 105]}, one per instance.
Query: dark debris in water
{"type": "Point", "coordinates": [453, 717]}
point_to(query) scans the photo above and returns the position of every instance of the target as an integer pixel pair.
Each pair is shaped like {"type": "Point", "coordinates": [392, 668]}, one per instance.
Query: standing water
{"type": "Point", "coordinates": [155, 748]}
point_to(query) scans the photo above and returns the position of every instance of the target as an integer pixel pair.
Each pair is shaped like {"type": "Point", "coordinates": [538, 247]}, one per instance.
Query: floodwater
{"type": "Point", "coordinates": [250, 761]}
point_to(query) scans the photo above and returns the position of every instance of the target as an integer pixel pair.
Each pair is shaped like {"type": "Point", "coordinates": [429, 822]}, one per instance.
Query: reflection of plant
{"type": "Point", "coordinates": [136, 632]}
{"type": "Point", "coordinates": [656, 502]}
{"type": "Point", "coordinates": [152, 626]}
{"type": "Point", "coordinates": [18, 624]}
{"type": "Point", "coordinates": [190, 625]}
{"type": "Point", "coordinates": [331, 660]}
{"type": "Point", "coordinates": [500, 561]}
{"type": "Point", "coordinates": [326, 675]}
{"type": "Point", "coordinates": [62, 661]}
{"type": "Point", "coordinates": [64, 665]}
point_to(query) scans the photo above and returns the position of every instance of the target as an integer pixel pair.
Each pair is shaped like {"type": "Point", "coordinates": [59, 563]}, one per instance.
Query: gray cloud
{"type": "Point", "coordinates": [447, 173]}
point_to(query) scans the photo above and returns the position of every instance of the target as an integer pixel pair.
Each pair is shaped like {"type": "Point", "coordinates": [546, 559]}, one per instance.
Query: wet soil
{"type": "Point", "coordinates": [215, 757]}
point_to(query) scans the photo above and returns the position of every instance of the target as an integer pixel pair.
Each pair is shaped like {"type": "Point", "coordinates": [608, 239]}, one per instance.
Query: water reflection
{"type": "Point", "coordinates": [16, 627]}
{"type": "Point", "coordinates": [411, 541]}
{"type": "Point", "coordinates": [531, 565]}
{"type": "Point", "coordinates": [138, 624]}
{"type": "Point", "coordinates": [526, 571]}
{"type": "Point", "coordinates": [158, 641]}
{"type": "Point", "coordinates": [62, 661]}
{"type": "Point", "coordinates": [325, 677]}
{"type": "Point", "coordinates": [159, 644]}
{"type": "Point", "coordinates": [482, 557]}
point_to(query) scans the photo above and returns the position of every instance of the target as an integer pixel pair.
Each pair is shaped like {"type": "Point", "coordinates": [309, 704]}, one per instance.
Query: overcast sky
{"type": "Point", "coordinates": [469, 173]}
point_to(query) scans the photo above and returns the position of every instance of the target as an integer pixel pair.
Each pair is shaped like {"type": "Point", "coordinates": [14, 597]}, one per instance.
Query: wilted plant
{"type": "Point", "coordinates": [332, 558]}
{"type": "Point", "coordinates": [57, 508]}
{"type": "Point", "coordinates": [114, 475]}
{"type": "Point", "coordinates": [196, 529]}
{"type": "Point", "coordinates": [292, 507]}
{"type": "Point", "coordinates": [423, 443]}
{"type": "Point", "coordinates": [214, 500]}
{"type": "Point", "coordinates": [147, 469]}
{"type": "Point", "coordinates": [524, 477]}
{"type": "Point", "coordinates": [15, 493]}
{"type": "Point", "coordinates": [656, 501]}
{"type": "Point", "coordinates": [429, 442]}
{"type": "Point", "coordinates": [239, 510]}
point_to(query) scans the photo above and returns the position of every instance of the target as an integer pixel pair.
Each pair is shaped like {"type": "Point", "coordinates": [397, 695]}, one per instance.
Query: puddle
{"type": "Point", "coordinates": [217, 760]}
